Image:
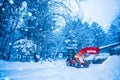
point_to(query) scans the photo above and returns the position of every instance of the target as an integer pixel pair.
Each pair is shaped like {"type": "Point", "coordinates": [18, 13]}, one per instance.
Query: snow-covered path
{"type": "Point", "coordinates": [109, 70]}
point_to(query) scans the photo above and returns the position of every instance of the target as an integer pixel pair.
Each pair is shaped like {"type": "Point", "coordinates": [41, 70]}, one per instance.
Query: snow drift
{"type": "Point", "coordinates": [108, 70]}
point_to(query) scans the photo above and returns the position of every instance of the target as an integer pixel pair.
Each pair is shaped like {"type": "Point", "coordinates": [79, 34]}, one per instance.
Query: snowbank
{"type": "Point", "coordinates": [109, 70]}
{"type": "Point", "coordinates": [58, 70]}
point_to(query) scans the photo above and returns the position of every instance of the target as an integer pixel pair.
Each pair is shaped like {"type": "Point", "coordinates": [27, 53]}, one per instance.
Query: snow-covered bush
{"type": "Point", "coordinates": [24, 49]}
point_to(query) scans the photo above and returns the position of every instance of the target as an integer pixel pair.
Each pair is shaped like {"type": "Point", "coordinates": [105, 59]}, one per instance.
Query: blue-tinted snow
{"type": "Point", "coordinates": [57, 70]}
{"type": "Point", "coordinates": [11, 1]}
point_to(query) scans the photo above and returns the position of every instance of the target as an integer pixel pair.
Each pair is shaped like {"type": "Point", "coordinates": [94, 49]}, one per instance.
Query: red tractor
{"type": "Point", "coordinates": [78, 60]}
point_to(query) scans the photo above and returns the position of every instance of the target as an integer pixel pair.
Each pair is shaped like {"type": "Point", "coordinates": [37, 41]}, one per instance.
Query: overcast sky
{"type": "Point", "coordinates": [100, 11]}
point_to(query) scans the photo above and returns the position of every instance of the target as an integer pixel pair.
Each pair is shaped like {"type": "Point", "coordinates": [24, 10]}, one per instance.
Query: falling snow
{"type": "Point", "coordinates": [29, 13]}
{"type": "Point", "coordinates": [11, 1]}
{"type": "Point", "coordinates": [24, 4]}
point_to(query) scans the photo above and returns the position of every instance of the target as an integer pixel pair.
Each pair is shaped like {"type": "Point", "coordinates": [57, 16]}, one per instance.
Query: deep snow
{"type": "Point", "coordinates": [57, 70]}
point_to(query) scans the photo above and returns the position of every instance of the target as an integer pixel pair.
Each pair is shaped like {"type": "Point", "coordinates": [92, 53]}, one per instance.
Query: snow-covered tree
{"type": "Point", "coordinates": [22, 19]}
{"type": "Point", "coordinates": [114, 30]}
{"type": "Point", "coordinates": [99, 36]}
{"type": "Point", "coordinates": [52, 25]}
{"type": "Point", "coordinates": [24, 50]}
{"type": "Point", "coordinates": [61, 21]}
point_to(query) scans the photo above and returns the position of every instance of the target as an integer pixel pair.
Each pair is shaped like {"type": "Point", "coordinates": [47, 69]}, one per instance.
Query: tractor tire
{"type": "Point", "coordinates": [77, 64]}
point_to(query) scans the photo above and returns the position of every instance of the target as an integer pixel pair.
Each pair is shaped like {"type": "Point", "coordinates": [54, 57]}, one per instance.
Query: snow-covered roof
{"type": "Point", "coordinates": [117, 48]}
{"type": "Point", "coordinates": [109, 45]}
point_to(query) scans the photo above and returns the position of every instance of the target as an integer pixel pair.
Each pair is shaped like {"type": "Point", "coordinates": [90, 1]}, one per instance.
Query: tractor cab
{"type": "Point", "coordinates": [71, 53]}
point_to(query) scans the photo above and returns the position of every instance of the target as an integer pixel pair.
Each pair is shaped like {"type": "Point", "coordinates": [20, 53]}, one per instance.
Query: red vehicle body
{"type": "Point", "coordinates": [89, 50]}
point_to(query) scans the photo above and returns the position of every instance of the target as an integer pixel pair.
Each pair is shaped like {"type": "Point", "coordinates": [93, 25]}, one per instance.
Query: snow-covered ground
{"type": "Point", "coordinates": [108, 70]}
